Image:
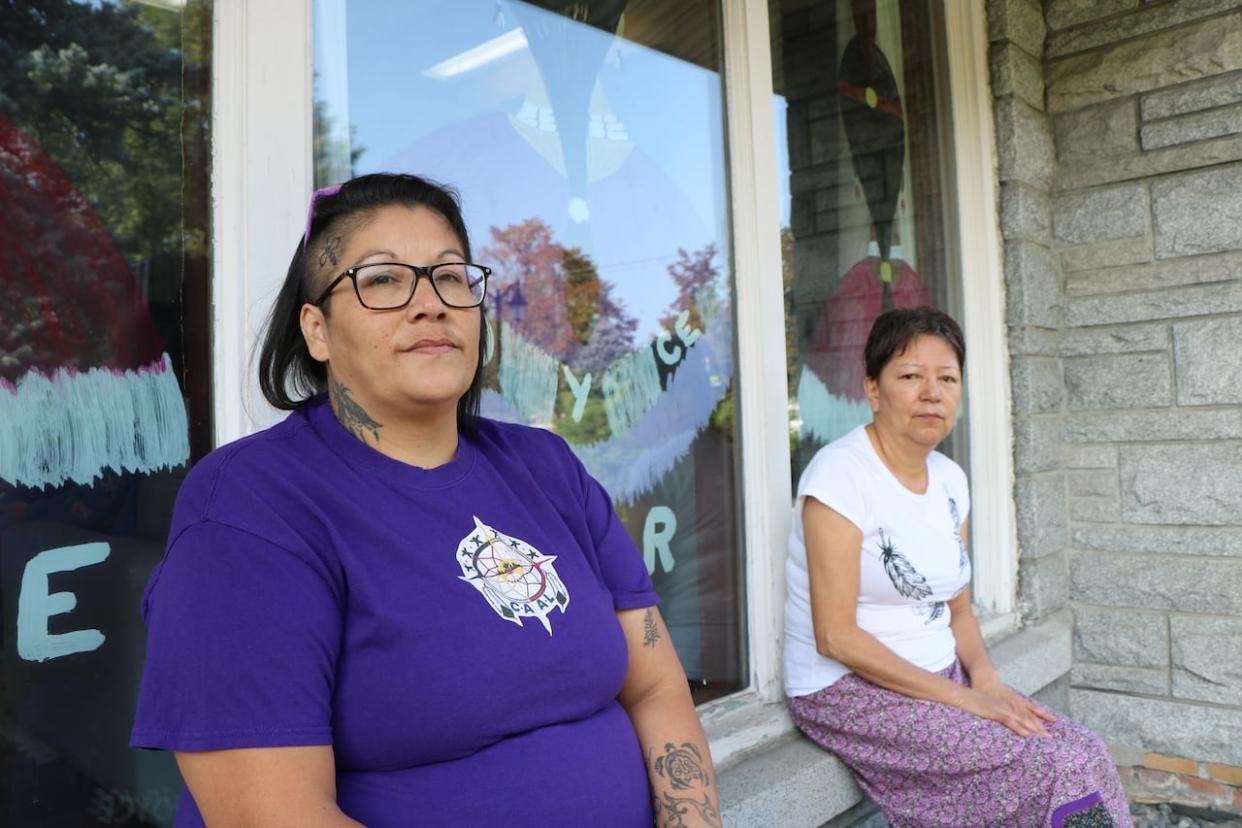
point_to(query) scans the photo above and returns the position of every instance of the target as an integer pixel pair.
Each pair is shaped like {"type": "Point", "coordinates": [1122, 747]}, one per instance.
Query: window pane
{"type": "Point", "coordinates": [587, 140]}
{"type": "Point", "coordinates": [865, 177]}
{"type": "Point", "coordinates": [104, 383]}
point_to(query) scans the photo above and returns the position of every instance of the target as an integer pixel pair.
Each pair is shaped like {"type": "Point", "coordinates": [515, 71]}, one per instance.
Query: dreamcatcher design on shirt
{"type": "Point", "coordinates": [517, 580]}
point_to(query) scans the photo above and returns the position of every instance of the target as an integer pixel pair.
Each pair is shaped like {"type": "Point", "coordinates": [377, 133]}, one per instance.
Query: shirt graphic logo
{"type": "Point", "coordinates": [517, 580]}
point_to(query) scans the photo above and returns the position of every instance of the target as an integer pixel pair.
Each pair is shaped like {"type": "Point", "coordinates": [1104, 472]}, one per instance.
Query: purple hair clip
{"type": "Point", "coordinates": [310, 213]}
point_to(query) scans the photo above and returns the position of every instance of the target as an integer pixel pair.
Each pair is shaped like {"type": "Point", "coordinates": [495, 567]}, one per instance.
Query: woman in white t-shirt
{"type": "Point", "coordinates": [884, 662]}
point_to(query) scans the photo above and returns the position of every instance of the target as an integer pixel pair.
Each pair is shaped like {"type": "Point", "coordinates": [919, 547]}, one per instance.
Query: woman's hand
{"type": "Point", "coordinates": [993, 700]}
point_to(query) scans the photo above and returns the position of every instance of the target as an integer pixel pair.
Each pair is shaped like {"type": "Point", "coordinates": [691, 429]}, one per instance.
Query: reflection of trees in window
{"type": "Point", "coordinates": [116, 98]}
{"type": "Point", "coordinates": [600, 321]}
{"type": "Point", "coordinates": [693, 273]}
{"type": "Point", "coordinates": [99, 87]}
{"type": "Point", "coordinates": [525, 254]}
{"type": "Point", "coordinates": [336, 152]}
{"type": "Point", "coordinates": [104, 178]}
{"type": "Point", "coordinates": [571, 312]}
{"type": "Point", "coordinates": [67, 299]}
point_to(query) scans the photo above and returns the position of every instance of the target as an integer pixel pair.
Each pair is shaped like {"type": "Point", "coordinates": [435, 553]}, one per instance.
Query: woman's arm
{"type": "Point", "coordinates": [833, 553]}
{"type": "Point", "coordinates": [971, 650]}
{"type": "Point", "coordinates": [657, 698]}
{"type": "Point", "coordinates": [973, 654]}
{"type": "Point", "coordinates": [268, 787]}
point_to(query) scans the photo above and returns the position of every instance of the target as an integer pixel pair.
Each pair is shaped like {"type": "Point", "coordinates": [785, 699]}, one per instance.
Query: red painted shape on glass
{"type": "Point", "coordinates": [840, 337]}
{"type": "Point", "coordinates": [67, 296]}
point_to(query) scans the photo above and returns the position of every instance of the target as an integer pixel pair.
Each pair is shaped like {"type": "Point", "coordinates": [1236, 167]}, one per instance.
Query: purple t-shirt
{"type": "Point", "coordinates": [451, 632]}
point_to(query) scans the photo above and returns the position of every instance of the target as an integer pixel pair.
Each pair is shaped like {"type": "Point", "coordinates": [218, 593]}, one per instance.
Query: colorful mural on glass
{"type": "Point", "coordinates": [571, 360]}
{"type": "Point", "coordinates": [869, 96]}
{"type": "Point", "coordinates": [104, 382]}
{"type": "Point", "coordinates": [84, 383]}
{"type": "Point", "coordinates": [586, 139]}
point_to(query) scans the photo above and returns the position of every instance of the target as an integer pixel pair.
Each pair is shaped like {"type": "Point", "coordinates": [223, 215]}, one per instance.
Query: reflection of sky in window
{"type": "Point", "coordinates": [780, 113]}
{"type": "Point", "coordinates": [668, 193]}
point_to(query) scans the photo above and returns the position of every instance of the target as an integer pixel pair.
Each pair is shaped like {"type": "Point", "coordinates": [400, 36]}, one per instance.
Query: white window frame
{"type": "Point", "coordinates": [262, 179]}
{"type": "Point", "coordinates": [994, 534]}
{"type": "Point", "coordinates": [762, 391]}
{"type": "Point", "coordinates": [261, 182]}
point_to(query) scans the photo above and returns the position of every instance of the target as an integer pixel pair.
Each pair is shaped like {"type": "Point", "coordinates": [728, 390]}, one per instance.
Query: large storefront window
{"type": "Point", "coordinates": [866, 202]}
{"type": "Point", "coordinates": [587, 140]}
{"type": "Point", "coordinates": [104, 383]}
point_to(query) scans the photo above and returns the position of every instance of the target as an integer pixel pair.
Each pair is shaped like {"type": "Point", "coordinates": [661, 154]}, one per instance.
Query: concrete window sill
{"type": "Point", "coordinates": [770, 774]}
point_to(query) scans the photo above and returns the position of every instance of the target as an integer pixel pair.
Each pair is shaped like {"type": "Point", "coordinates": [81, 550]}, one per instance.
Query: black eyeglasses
{"type": "Point", "coordinates": [391, 285]}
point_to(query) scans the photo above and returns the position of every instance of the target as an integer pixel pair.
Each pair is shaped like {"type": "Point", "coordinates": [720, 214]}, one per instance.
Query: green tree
{"type": "Point", "coordinates": [582, 292]}
{"type": "Point", "coordinates": [336, 157]}
{"type": "Point", "coordinates": [100, 88]}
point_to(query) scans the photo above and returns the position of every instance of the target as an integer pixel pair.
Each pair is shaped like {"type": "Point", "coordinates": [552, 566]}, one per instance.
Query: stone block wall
{"type": "Point", "coordinates": [1119, 138]}
{"type": "Point", "coordinates": [1035, 302]}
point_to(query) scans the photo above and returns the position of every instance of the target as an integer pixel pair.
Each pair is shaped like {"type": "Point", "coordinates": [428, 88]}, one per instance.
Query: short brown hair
{"type": "Point", "coordinates": [897, 328]}
{"type": "Point", "coordinates": [289, 376]}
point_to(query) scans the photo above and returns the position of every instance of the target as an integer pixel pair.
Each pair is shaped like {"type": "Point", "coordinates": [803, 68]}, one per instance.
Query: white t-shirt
{"type": "Point", "coordinates": [912, 560]}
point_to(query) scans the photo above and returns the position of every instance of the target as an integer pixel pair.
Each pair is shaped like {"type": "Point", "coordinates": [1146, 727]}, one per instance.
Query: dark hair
{"type": "Point", "coordinates": [897, 328]}
{"type": "Point", "coordinates": [288, 375]}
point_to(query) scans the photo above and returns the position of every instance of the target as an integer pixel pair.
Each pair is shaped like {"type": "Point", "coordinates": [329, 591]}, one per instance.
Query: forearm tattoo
{"type": "Point", "coordinates": [682, 769]}
{"type": "Point", "coordinates": [353, 416]}
{"type": "Point", "coordinates": [329, 252]}
{"type": "Point", "coordinates": [672, 812]}
{"type": "Point", "coordinates": [651, 631]}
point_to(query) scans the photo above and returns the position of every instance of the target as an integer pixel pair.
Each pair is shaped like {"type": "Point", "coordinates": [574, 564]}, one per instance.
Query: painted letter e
{"type": "Point", "coordinates": [35, 605]}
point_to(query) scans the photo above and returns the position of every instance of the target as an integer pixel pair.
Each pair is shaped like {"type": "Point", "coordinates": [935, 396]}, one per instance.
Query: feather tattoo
{"type": "Point", "coordinates": [906, 579]}
{"type": "Point", "coordinates": [957, 534]}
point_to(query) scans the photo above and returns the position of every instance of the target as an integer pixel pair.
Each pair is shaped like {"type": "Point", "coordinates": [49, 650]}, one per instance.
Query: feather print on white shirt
{"type": "Point", "coordinates": [901, 572]}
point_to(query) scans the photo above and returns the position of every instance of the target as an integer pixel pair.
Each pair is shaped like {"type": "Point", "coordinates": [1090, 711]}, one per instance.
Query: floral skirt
{"type": "Point", "coordinates": [931, 765]}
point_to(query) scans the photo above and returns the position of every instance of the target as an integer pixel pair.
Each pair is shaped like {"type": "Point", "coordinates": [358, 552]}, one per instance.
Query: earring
{"type": "Point", "coordinates": [489, 343]}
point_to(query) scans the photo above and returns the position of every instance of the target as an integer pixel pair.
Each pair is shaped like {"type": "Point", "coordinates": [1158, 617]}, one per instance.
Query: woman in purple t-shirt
{"type": "Point", "coordinates": [389, 610]}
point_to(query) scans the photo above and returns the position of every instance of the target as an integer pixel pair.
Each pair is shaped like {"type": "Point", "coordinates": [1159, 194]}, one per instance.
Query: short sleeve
{"type": "Point", "coordinates": [242, 641]}
{"type": "Point", "coordinates": [616, 560]}
{"type": "Point", "coordinates": [835, 480]}
{"type": "Point", "coordinates": [620, 562]}
{"type": "Point", "coordinates": [961, 490]}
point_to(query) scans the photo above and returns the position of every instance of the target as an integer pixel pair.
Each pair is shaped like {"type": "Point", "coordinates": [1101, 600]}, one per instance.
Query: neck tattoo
{"type": "Point", "coordinates": [351, 415]}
